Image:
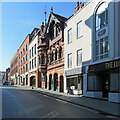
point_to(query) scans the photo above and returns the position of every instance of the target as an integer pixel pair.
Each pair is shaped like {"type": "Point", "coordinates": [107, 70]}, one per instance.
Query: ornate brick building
{"type": "Point", "coordinates": [51, 53]}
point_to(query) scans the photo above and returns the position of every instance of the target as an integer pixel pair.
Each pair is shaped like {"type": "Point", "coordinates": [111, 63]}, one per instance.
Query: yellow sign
{"type": "Point", "coordinates": [114, 64]}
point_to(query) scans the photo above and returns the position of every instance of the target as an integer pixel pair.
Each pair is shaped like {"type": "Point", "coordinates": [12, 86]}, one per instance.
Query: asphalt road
{"type": "Point", "coordinates": [19, 103]}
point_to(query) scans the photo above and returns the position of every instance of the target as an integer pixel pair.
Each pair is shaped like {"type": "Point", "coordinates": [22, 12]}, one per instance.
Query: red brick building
{"type": "Point", "coordinates": [51, 53]}
{"type": "Point", "coordinates": [23, 61]}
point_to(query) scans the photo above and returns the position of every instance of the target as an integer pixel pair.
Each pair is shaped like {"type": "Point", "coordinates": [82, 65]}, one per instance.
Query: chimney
{"type": "Point", "coordinates": [77, 7]}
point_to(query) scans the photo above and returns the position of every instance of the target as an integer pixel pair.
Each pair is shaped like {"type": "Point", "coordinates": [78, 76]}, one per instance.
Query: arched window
{"type": "Point", "coordinates": [60, 52]}
{"type": "Point", "coordinates": [102, 16]}
{"type": "Point", "coordinates": [56, 54]}
{"type": "Point", "coordinates": [42, 59]}
{"type": "Point", "coordinates": [102, 46]}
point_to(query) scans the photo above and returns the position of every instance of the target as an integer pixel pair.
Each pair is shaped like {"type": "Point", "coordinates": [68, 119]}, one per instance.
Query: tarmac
{"type": "Point", "coordinates": [102, 106]}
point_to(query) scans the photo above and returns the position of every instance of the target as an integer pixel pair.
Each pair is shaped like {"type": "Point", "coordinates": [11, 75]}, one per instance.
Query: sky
{"type": "Point", "coordinates": [19, 19]}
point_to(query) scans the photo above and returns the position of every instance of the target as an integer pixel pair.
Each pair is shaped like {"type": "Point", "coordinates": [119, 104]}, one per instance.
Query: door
{"type": "Point", "coordinates": [106, 84]}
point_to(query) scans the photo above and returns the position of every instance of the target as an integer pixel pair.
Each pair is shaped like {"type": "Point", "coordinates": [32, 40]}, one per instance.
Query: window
{"type": "Point", "coordinates": [21, 62]}
{"type": "Point", "coordinates": [26, 46]}
{"type": "Point", "coordinates": [79, 29]}
{"type": "Point", "coordinates": [56, 54]}
{"type": "Point", "coordinates": [26, 57]}
{"type": "Point", "coordinates": [32, 51]}
{"type": "Point", "coordinates": [102, 48]}
{"type": "Point", "coordinates": [79, 57]}
{"type": "Point", "coordinates": [72, 82]}
{"type": "Point", "coordinates": [52, 56]}
{"type": "Point", "coordinates": [23, 50]}
{"type": "Point", "coordinates": [69, 36]}
{"type": "Point", "coordinates": [60, 52]}
{"type": "Point", "coordinates": [24, 69]}
{"type": "Point", "coordinates": [19, 56]}
{"type": "Point", "coordinates": [32, 64]}
{"type": "Point", "coordinates": [102, 16]}
{"type": "Point", "coordinates": [27, 67]}
{"type": "Point", "coordinates": [43, 59]}
{"type": "Point", "coordinates": [21, 70]}
{"type": "Point", "coordinates": [21, 53]}
{"type": "Point", "coordinates": [35, 49]}
{"type": "Point", "coordinates": [69, 60]}
{"type": "Point", "coordinates": [57, 31]}
{"type": "Point", "coordinates": [35, 61]}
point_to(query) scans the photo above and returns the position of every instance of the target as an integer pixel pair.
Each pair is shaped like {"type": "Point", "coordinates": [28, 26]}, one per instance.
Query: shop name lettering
{"type": "Point", "coordinates": [111, 65]}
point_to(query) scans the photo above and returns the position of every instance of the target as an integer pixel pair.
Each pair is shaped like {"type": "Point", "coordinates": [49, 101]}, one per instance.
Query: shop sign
{"type": "Point", "coordinates": [104, 66]}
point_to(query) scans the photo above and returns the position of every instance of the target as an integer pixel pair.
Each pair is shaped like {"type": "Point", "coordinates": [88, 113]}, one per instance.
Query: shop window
{"type": "Point", "coordinates": [114, 82]}
{"type": "Point", "coordinates": [72, 82]}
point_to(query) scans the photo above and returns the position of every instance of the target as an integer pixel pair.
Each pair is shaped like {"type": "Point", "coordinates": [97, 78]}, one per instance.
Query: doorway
{"type": "Point", "coordinates": [105, 84]}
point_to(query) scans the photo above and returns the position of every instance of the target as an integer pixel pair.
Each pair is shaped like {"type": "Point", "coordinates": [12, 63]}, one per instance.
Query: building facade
{"type": "Point", "coordinates": [51, 53]}
{"type": "Point", "coordinates": [23, 62]}
{"type": "Point", "coordinates": [33, 58]}
{"type": "Point", "coordinates": [92, 50]}
{"type": "Point", "coordinates": [14, 70]}
{"type": "Point", "coordinates": [2, 77]}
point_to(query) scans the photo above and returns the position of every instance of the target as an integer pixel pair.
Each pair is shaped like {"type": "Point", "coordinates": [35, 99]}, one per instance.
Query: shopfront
{"type": "Point", "coordinates": [74, 81]}
{"type": "Point", "coordinates": [105, 79]}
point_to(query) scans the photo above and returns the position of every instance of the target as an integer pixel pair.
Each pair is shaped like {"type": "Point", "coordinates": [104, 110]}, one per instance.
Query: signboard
{"type": "Point", "coordinates": [104, 66]}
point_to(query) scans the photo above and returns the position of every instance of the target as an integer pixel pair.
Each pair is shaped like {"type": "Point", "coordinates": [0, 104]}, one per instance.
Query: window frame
{"type": "Point", "coordinates": [69, 60]}
{"type": "Point", "coordinates": [81, 30]}
{"type": "Point", "coordinates": [68, 36]}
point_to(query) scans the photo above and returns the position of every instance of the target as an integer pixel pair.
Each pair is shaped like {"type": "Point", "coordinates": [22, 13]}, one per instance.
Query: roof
{"type": "Point", "coordinates": [60, 18]}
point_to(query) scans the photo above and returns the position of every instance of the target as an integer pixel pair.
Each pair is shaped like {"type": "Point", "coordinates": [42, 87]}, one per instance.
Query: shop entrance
{"type": "Point", "coordinates": [32, 81]}
{"type": "Point", "coordinates": [105, 84]}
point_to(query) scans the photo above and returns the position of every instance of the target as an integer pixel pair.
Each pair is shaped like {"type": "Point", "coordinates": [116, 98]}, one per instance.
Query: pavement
{"type": "Point", "coordinates": [20, 102]}
{"type": "Point", "coordinates": [102, 106]}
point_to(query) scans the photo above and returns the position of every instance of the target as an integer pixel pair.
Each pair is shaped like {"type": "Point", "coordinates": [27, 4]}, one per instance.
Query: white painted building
{"type": "Point", "coordinates": [33, 58]}
{"type": "Point", "coordinates": [92, 56]}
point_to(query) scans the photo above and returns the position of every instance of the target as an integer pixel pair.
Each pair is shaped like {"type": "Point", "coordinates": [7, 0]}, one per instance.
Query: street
{"type": "Point", "coordinates": [20, 103]}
